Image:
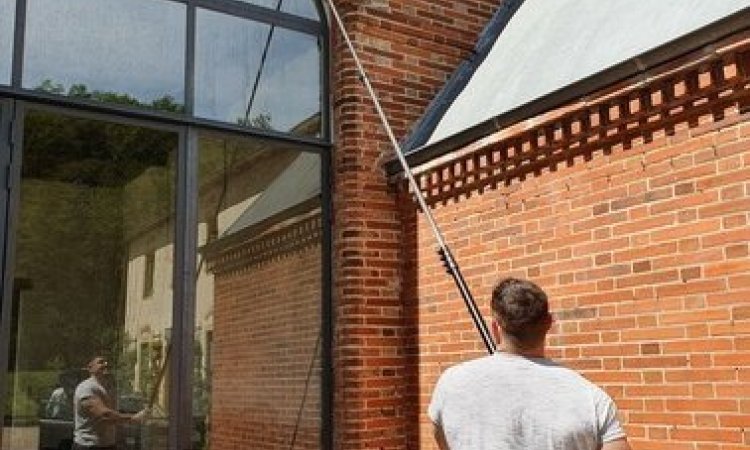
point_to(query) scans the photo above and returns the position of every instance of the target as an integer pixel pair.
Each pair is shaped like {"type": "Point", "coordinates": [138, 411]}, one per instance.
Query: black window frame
{"type": "Point", "coordinates": [15, 100]}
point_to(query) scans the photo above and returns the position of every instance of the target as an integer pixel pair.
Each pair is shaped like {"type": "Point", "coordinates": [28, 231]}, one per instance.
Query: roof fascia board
{"type": "Point", "coordinates": [701, 38]}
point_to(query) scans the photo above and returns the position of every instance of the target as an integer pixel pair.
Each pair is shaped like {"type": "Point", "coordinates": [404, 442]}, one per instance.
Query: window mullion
{"type": "Point", "coordinates": [181, 355]}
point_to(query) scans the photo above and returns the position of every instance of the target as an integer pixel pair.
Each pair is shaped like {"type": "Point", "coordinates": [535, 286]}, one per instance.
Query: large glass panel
{"type": "Point", "coordinates": [96, 205]}
{"type": "Point", "coordinates": [7, 19]}
{"type": "Point", "coordinates": [129, 52]}
{"type": "Point", "coordinates": [304, 8]}
{"type": "Point", "coordinates": [257, 366]}
{"type": "Point", "coordinates": [257, 75]}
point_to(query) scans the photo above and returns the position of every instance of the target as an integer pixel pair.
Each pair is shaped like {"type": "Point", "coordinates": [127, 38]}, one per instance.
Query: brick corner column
{"type": "Point", "coordinates": [409, 48]}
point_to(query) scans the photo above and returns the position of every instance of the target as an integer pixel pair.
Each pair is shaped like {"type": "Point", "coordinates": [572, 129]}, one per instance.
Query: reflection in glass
{"type": "Point", "coordinates": [237, 81]}
{"type": "Point", "coordinates": [130, 52]}
{"type": "Point", "coordinates": [95, 199]}
{"type": "Point", "coordinates": [257, 348]}
{"type": "Point", "coordinates": [7, 19]}
{"type": "Point", "coordinates": [304, 8]}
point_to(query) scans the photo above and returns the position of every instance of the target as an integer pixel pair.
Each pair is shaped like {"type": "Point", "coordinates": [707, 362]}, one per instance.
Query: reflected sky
{"type": "Point", "coordinates": [228, 61]}
{"type": "Point", "coordinates": [133, 47]}
{"type": "Point", "coordinates": [304, 8]}
{"type": "Point", "coordinates": [7, 16]}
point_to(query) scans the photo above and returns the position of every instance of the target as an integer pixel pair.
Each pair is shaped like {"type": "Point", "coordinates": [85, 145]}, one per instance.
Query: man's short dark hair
{"type": "Point", "coordinates": [522, 310]}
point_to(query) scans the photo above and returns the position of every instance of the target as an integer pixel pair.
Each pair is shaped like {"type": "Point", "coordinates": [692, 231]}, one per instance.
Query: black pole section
{"type": "Point", "coordinates": [445, 254]}
{"type": "Point", "coordinates": [159, 378]}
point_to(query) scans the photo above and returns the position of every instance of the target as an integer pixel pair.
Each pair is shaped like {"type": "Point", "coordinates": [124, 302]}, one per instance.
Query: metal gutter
{"type": "Point", "coordinates": [460, 77]}
{"type": "Point", "coordinates": [672, 50]}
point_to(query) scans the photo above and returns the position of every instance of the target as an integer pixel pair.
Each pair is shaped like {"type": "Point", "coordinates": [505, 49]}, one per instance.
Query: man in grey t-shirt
{"type": "Point", "coordinates": [517, 399]}
{"type": "Point", "coordinates": [94, 410]}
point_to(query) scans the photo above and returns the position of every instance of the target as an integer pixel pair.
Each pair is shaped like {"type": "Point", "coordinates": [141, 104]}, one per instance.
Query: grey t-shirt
{"type": "Point", "coordinates": [509, 402]}
{"type": "Point", "coordinates": [89, 431]}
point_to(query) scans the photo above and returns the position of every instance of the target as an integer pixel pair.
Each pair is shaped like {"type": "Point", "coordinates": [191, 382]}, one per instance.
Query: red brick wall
{"type": "Point", "coordinates": [632, 212]}
{"type": "Point", "coordinates": [409, 47]}
{"type": "Point", "coordinates": [266, 323]}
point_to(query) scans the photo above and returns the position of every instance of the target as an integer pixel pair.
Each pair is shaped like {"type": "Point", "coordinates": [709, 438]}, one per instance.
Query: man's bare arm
{"type": "Point", "coordinates": [97, 409]}
{"type": "Point", "coordinates": [443, 445]}
{"type": "Point", "coordinates": [618, 444]}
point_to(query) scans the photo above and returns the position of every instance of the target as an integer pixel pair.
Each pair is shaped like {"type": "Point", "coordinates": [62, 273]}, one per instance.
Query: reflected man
{"type": "Point", "coordinates": [60, 403]}
{"type": "Point", "coordinates": [517, 399]}
{"type": "Point", "coordinates": [96, 418]}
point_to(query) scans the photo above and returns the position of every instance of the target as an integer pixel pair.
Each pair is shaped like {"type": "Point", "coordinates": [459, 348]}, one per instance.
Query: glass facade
{"type": "Point", "coordinates": [249, 73]}
{"type": "Point", "coordinates": [7, 17]}
{"type": "Point", "coordinates": [136, 58]}
{"type": "Point", "coordinates": [95, 198]}
{"type": "Point", "coordinates": [259, 227]}
{"type": "Point", "coordinates": [164, 221]}
{"type": "Point", "coordinates": [244, 69]}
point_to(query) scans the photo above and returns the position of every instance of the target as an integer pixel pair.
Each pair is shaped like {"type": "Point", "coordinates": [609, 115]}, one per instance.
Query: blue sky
{"type": "Point", "coordinates": [228, 54]}
{"type": "Point", "coordinates": [137, 47]}
{"type": "Point", "coordinates": [7, 12]}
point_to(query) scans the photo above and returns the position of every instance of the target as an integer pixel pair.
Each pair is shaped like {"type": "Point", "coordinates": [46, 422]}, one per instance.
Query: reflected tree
{"type": "Point", "coordinates": [164, 103]}
{"type": "Point", "coordinates": [262, 121]}
{"type": "Point", "coordinates": [75, 222]}
{"type": "Point", "coordinates": [201, 393]}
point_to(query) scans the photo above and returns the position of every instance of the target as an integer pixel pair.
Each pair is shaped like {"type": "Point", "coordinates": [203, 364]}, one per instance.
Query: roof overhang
{"type": "Point", "coordinates": [640, 65]}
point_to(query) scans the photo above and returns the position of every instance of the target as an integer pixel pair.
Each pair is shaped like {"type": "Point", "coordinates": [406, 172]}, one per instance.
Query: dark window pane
{"type": "Point", "coordinates": [304, 8]}
{"type": "Point", "coordinates": [7, 19]}
{"type": "Point", "coordinates": [258, 296]}
{"type": "Point", "coordinates": [95, 199]}
{"type": "Point", "coordinates": [257, 75]}
{"type": "Point", "coordinates": [130, 52]}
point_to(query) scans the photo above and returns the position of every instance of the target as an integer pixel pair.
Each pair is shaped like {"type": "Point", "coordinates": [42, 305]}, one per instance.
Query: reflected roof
{"type": "Point", "coordinates": [299, 183]}
{"type": "Point", "coordinates": [547, 46]}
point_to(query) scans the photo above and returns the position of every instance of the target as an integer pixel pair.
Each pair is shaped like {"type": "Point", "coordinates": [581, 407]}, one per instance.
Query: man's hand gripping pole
{"type": "Point", "coordinates": [445, 254]}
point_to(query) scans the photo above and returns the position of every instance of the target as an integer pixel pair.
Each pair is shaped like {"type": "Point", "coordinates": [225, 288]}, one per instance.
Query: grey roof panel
{"type": "Point", "coordinates": [550, 44]}
{"type": "Point", "coordinates": [298, 183]}
{"type": "Point", "coordinates": [461, 76]}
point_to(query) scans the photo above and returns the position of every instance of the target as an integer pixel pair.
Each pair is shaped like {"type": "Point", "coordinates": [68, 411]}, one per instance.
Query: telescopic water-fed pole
{"type": "Point", "coordinates": [445, 254]}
